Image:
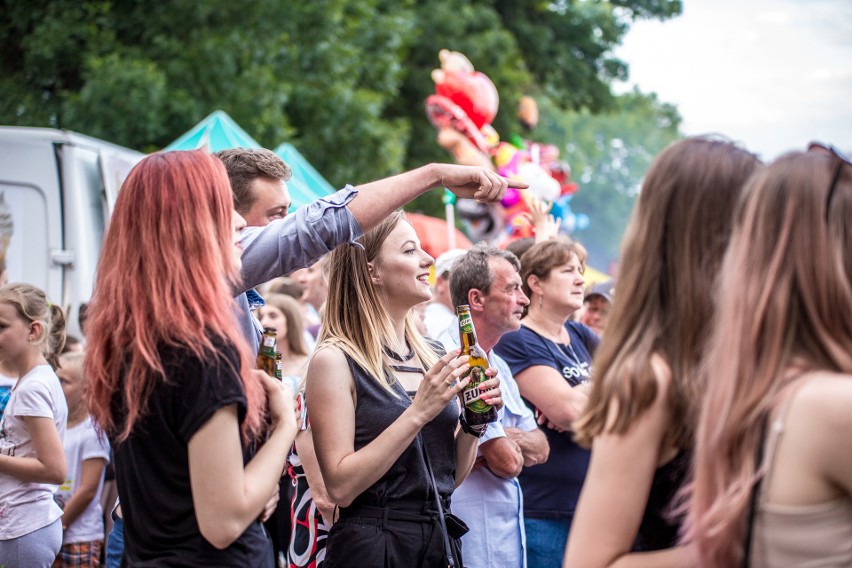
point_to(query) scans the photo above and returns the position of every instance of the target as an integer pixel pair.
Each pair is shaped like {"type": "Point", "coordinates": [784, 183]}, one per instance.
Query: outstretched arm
{"type": "Point", "coordinates": [300, 239]}
{"type": "Point", "coordinates": [375, 200]}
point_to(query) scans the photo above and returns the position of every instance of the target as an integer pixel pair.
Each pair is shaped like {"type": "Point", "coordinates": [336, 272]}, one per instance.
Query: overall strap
{"type": "Point", "coordinates": [441, 518]}
{"type": "Point", "coordinates": [755, 491]}
{"type": "Point", "coordinates": [758, 488]}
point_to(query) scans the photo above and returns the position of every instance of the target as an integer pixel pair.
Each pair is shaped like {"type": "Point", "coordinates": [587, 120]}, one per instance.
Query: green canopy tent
{"type": "Point", "coordinates": [218, 131]}
{"type": "Point", "coordinates": [306, 180]}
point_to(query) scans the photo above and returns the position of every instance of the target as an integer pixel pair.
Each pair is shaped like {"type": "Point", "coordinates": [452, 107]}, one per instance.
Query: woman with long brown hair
{"type": "Point", "coordinates": [773, 465]}
{"type": "Point", "coordinates": [640, 418]}
{"type": "Point", "coordinates": [171, 377]}
{"type": "Point", "coordinates": [284, 314]}
{"type": "Point", "coordinates": [384, 410]}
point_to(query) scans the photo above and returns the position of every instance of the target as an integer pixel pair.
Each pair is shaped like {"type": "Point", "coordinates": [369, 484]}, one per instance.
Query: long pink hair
{"type": "Point", "coordinates": [783, 304]}
{"type": "Point", "coordinates": [164, 278]}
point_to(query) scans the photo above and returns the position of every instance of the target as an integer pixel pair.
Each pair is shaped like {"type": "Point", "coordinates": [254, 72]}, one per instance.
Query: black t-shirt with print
{"type": "Point", "coordinates": [152, 465]}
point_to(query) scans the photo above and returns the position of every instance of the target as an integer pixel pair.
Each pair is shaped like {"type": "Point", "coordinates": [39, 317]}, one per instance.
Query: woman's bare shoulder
{"type": "Point", "coordinates": [827, 398]}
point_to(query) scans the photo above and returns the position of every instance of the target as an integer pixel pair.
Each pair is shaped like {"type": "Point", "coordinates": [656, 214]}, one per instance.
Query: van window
{"type": "Point", "coordinates": [23, 233]}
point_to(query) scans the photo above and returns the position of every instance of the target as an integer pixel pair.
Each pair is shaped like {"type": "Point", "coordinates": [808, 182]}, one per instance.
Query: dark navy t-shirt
{"type": "Point", "coordinates": [551, 489]}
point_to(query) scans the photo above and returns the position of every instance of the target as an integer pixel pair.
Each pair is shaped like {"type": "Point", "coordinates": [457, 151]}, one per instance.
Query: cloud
{"type": "Point", "coordinates": [770, 73]}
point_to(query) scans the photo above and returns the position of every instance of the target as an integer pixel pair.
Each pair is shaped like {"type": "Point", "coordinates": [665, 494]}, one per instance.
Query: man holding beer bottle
{"type": "Point", "coordinates": [489, 500]}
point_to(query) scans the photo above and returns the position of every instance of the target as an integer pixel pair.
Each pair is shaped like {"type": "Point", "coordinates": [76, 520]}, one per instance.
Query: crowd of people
{"type": "Point", "coordinates": [693, 413]}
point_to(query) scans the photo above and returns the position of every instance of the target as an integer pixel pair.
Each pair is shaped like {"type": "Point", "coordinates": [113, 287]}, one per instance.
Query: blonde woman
{"type": "Point", "coordinates": [382, 402]}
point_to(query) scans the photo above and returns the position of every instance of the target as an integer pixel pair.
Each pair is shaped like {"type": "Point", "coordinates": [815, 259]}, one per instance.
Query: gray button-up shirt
{"type": "Point", "coordinates": [288, 244]}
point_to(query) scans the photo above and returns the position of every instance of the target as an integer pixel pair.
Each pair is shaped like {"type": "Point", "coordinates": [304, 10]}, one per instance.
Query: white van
{"type": "Point", "coordinates": [57, 189]}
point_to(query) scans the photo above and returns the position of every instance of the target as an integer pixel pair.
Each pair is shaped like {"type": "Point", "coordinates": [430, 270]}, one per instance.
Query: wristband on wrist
{"type": "Point", "coordinates": [478, 431]}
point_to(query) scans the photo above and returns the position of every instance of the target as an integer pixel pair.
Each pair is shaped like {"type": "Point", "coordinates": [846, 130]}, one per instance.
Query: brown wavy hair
{"type": "Point", "coordinates": [165, 278]}
{"type": "Point", "coordinates": [670, 256]}
{"type": "Point", "coordinates": [784, 303]}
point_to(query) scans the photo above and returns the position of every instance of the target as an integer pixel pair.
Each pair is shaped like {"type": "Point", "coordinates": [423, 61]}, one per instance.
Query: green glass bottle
{"type": "Point", "coordinates": [476, 411]}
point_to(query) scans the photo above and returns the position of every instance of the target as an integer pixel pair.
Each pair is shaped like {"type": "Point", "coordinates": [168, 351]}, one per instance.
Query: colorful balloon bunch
{"type": "Point", "coordinates": [462, 108]}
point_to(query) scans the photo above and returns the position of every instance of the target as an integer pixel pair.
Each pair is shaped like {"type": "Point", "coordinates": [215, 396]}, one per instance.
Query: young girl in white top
{"type": "Point", "coordinates": [87, 453]}
{"type": "Point", "coordinates": [32, 430]}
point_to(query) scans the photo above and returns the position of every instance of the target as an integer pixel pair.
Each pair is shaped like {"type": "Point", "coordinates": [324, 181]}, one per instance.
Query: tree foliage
{"type": "Point", "coordinates": [609, 153]}
{"type": "Point", "coordinates": [344, 80]}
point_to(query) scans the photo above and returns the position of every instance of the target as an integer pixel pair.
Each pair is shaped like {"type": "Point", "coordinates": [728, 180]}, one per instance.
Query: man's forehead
{"type": "Point", "coordinates": [502, 267]}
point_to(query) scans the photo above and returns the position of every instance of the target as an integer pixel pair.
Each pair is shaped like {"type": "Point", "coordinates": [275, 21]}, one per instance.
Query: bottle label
{"type": "Point", "coordinates": [470, 396]}
{"type": "Point", "coordinates": [466, 323]}
{"type": "Point", "coordinates": [268, 341]}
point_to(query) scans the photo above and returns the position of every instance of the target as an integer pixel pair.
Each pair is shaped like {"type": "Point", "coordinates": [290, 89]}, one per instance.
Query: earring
{"type": "Point", "coordinates": [540, 302]}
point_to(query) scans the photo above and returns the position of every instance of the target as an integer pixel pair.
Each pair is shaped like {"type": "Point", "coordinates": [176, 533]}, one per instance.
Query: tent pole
{"type": "Point", "coordinates": [450, 213]}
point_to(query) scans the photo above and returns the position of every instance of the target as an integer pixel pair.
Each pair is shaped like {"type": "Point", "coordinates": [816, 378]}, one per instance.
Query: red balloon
{"type": "Point", "coordinates": [473, 92]}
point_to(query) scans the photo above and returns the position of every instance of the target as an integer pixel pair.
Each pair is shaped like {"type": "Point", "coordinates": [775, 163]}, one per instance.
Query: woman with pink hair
{"type": "Point", "coordinates": [773, 463]}
{"type": "Point", "coordinates": [171, 377]}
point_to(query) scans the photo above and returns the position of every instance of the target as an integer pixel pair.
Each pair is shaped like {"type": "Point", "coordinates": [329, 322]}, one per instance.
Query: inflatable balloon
{"type": "Point", "coordinates": [541, 184]}
{"type": "Point", "coordinates": [464, 99]}
{"type": "Point", "coordinates": [462, 109]}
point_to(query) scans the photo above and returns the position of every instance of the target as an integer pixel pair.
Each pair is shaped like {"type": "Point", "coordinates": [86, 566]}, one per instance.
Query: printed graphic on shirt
{"type": "Point", "coordinates": [577, 374]}
{"type": "Point", "coordinates": [7, 447]}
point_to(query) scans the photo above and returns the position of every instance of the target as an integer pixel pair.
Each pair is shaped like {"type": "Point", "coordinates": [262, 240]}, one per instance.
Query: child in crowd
{"type": "Point", "coordinates": [32, 462]}
{"type": "Point", "coordinates": [87, 453]}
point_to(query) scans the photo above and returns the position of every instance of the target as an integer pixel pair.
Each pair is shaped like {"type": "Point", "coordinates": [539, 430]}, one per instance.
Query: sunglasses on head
{"type": "Point", "coordinates": [841, 160]}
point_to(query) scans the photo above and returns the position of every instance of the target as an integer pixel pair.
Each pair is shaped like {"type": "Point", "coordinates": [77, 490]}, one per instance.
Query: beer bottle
{"type": "Point", "coordinates": [266, 354]}
{"type": "Point", "coordinates": [279, 366]}
{"type": "Point", "coordinates": [476, 411]}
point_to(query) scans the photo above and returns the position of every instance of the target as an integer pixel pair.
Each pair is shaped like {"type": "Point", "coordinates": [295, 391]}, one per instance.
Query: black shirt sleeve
{"type": "Point", "coordinates": [206, 386]}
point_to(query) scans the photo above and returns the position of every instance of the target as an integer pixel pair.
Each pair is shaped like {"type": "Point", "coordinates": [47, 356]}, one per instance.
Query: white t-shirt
{"type": "Point", "coordinates": [82, 443]}
{"type": "Point", "coordinates": [25, 506]}
{"type": "Point", "coordinates": [437, 317]}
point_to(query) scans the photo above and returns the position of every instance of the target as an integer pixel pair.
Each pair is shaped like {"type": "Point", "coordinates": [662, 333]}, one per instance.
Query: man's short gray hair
{"type": "Point", "coordinates": [472, 271]}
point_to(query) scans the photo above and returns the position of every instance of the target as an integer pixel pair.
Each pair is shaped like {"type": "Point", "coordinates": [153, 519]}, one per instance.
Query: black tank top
{"type": "Point", "coordinates": [407, 479]}
{"type": "Point", "coordinates": [659, 529]}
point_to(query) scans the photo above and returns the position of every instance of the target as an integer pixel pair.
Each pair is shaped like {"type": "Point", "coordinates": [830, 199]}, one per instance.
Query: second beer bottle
{"type": "Point", "coordinates": [476, 411]}
{"type": "Point", "coordinates": [266, 354]}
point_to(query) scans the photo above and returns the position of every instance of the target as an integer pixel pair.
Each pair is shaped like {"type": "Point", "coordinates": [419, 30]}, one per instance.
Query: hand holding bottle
{"type": "Point", "coordinates": [440, 384]}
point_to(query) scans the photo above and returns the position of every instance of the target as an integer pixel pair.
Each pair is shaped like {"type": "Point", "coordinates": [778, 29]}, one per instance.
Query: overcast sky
{"type": "Point", "coordinates": [771, 74]}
